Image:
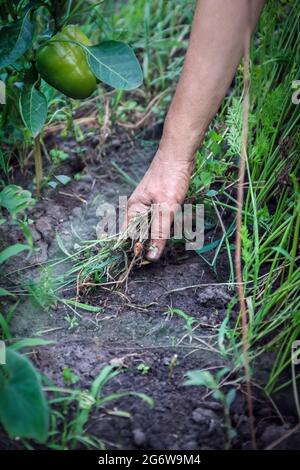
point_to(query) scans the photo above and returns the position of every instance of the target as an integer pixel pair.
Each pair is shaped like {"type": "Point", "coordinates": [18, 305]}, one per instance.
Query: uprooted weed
{"type": "Point", "coordinates": [108, 261]}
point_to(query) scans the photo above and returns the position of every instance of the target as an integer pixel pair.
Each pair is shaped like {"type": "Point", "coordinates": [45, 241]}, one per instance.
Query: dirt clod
{"type": "Point", "coordinates": [139, 437]}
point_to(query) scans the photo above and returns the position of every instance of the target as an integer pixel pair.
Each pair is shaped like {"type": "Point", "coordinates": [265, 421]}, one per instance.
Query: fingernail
{"type": "Point", "coordinates": [152, 252]}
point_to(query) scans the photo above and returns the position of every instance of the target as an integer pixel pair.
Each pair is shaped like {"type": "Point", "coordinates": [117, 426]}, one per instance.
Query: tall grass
{"type": "Point", "coordinates": [158, 30]}
{"type": "Point", "coordinates": [274, 163]}
{"type": "Point", "coordinates": [271, 223]}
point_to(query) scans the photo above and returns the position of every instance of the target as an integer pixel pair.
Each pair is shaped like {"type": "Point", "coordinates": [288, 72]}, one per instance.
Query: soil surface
{"type": "Point", "coordinates": [135, 325]}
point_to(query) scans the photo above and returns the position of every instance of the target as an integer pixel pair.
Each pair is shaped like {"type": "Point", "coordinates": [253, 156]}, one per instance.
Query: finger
{"type": "Point", "coordinates": [155, 249]}
{"type": "Point", "coordinates": [133, 209]}
{"type": "Point", "coordinates": [133, 227]}
{"type": "Point", "coordinates": [162, 217]}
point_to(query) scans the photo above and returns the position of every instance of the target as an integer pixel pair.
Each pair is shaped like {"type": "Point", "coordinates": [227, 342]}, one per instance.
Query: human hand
{"type": "Point", "coordinates": [162, 189]}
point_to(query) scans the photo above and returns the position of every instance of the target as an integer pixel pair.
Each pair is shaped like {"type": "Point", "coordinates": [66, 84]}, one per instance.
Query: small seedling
{"type": "Point", "coordinates": [143, 368]}
{"type": "Point", "coordinates": [58, 156]}
{"type": "Point", "coordinates": [206, 379]}
{"type": "Point", "coordinates": [188, 319]}
{"type": "Point", "coordinates": [172, 365]}
{"type": "Point", "coordinates": [66, 433]}
{"type": "Point", "coordinates": [42, 291]}
{"type": "Point", "coordinates": [69, 377]}
{"type": "Point", "coordinates": [72, 322]}
{"type": "Point", "coordinates": [5, 332]}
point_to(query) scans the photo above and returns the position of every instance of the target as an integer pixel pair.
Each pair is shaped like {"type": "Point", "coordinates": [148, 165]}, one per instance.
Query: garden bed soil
{"type": "Point", "coordinates": [134, 327]}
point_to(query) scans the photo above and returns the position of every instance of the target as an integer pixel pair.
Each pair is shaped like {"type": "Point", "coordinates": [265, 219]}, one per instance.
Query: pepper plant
{"type": "Point", "coordinates": [38, 43]}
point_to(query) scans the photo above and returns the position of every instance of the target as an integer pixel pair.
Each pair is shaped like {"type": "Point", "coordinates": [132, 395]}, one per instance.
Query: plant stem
{"type": "Point", "coordinates": [70, 120]}
{"type": "Point", "coordinates": [238, 251]}
{"type": "Point", "coordinates": [38, 163]}
{"type": "Point", "coordinates": [295, 244]}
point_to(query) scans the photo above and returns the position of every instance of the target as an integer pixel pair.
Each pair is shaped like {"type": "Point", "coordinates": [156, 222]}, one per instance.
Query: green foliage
{"type": "Point", "coordinates": [211, 166]}
{"type": "Point", "coordinates": [234, 124]}
{"type": "Point", "coordinates": [188, 319]}
{"type": "Point", "coordinates": [58, 156]}
{"type": "Point", "coordinates": [42, 291]}
{"type": "Point", "coordinates": [270, 232]}
{"type": "Point", "coordinates": [247, 248]}
{"type": "Point", "coordinates": [115, 64]}
{"type": "Point", "coordinates": [15, 199]}
{"type": "Point", "coordinates": [68, 433]}
{"type": "Point", "coordinates": [158, 30]}
{"type": "Point", "coordinates": [273, 161]}
{"type": "Point", "coordinates": [143, 368]}
{"type": "Point", "coordinates": [72, 321]}
{"type": "Point", "coordinates": [206, 379]}
{"type": "Point", "coordinates": [11, 251]}
{"type": "Point", "coordinates": [5, 319]}
{"type": "Point", "coordinates": [271, 220]}
{"type": "Point", "coordinates": [33, 109]}
{"type": "Point", "coordinates": [27, 27]}
{"type": "Point", "coordinates": [23, 407]}
{"type": "Point", "coordinates": [69, 377]}
{"type": "Point", "coordinates": [29, 343]}
{"type": "Point", "coordinates": [15, 40]}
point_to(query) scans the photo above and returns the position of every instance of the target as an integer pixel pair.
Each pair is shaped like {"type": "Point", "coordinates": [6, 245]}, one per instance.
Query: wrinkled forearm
{"type": "Point", "coordinates": [217, 43]}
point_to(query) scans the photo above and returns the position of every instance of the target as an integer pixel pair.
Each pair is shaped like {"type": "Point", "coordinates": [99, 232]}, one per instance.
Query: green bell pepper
{"type": "Point", "coordinates": [64, 65]}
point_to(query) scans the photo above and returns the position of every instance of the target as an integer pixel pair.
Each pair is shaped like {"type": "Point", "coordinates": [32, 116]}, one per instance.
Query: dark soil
{"type": "Point", "coordinates": [133, 328]}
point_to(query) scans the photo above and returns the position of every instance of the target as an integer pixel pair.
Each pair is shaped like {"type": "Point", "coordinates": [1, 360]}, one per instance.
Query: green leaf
{"type": "Point", "coordinates": [115, 64]}
{"type": "Point", "coordinates": [117, 396]}
{"type": "Point", "coordinates": [23, 407]}
{"type": "Point", "coordinates": [26, 232]}
{"type": "Point", "coordinates": [15, 39]}
{"type": "Point", "coordinates": [201, 377]}
{"type": "Point", "coordinates": [221, 373]}
{"type": "Point", "coordinates": [208, 247]}
{"type": "Point", "coordinates": [119, 413]}
{"type": "Point", "coordinates": [33, 109]}
{"type": "Point", "coordinates": [4, 162]}
{"type": "Point", "coordinates": [15, 199]}
{"type": "Point", "coordinates": [283, 252]}
{"type": "Point", "coordinates": [215, 137]}
{"type": "Point", "coordinates": [215, 148]}
{"type": "Point", "coordinates": [4, 292]}
{"type": "Point", "coordinates": [12, 250]}
{"type": "Point", "coordinates": [88, 308]}
{"type": "Point", "coordinates": [63, 179]}
{"type": "Point", "coordinates": [62, 246]}
{"type": "Point", "coordinates": [4, 326]}
{"type": "Point", "coordinates": [106, 374]}
{"type": "Point", "coordinates": [206, 178]}
{"type": "Point", "coordinates": [218, 395]}
{"type": "Point", "coordinates": [30, 343]}
{"type": "Point", "coordinates": [52, 184]}
{"type": "Point", "coordinates": [212, 193]}
{"type": "Point", "coordinates": [223, 329]}
{"type": "Point", "coordinates": [230, 397]}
